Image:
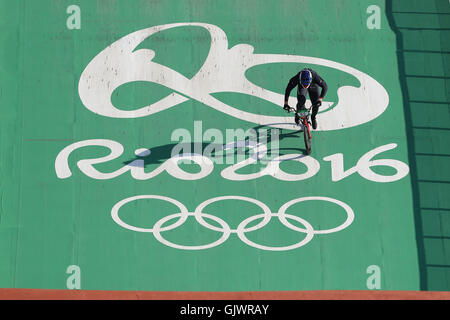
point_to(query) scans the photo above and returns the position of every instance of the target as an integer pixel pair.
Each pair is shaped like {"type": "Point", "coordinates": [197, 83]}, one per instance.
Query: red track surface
{"type": "Point", "coordinates": [38, 294]}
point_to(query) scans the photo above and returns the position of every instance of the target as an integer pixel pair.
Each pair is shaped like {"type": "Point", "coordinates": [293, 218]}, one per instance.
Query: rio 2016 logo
{"type": "Point", "coordinates": [223, 71]}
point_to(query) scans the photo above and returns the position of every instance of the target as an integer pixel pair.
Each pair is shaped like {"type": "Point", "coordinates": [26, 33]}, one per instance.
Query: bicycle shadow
{"type": "Point", "coordinates": [217, 151]}
{"type": "Point", "coordinates": [297, 134]}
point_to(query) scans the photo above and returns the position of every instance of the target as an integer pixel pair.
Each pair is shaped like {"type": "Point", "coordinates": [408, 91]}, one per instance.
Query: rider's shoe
{"type": "Point", "coordinates": [314, 123]}
{"type": "Point", "coordinates": [297, 119]}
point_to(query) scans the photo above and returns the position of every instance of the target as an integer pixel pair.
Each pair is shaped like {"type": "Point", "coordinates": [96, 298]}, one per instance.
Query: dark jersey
{"type": "Point", "coordinates": [316, 81]}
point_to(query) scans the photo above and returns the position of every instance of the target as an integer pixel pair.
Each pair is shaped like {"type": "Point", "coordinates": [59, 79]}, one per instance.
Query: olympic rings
{"type": "Point", "coordinates": [350, 214]}
{"type": "Point", "coordinates": [200, 207]}
{"type": "Point", "coordinates": [157, 233]}
{"type": "Point", "coordinates": [183, 212]}
{"type": "Point", "coordinates": [225, 229]}
{"type": "Point", "coordinates": [309, 234]}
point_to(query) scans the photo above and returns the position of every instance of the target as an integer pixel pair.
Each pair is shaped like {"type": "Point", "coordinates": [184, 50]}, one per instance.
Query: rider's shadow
{"type": "Point", "coordinates": [159, 154]}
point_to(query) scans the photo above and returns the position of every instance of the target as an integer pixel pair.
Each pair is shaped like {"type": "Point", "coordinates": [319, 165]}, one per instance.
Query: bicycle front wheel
{"type": "Point", "coordinates": [307, 138]}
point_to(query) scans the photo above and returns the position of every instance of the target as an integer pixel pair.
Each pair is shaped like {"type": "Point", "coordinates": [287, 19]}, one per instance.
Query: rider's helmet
{"type": "Point", "coordinates": [305, 78]}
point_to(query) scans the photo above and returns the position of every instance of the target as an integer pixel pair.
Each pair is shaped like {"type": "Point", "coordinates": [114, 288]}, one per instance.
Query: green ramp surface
{"type": "Point", "coordinates": [95, 100]}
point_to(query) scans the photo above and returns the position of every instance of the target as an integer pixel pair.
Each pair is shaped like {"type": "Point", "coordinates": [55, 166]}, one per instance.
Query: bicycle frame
{"type": "Point", "coordinates": [304, 117]}
{"type": "Point", "coordinates": [304, 122]}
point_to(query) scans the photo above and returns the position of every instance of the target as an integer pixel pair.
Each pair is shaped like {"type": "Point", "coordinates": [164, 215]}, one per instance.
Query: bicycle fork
{"type": "Point", "coordinates": [306, 127]}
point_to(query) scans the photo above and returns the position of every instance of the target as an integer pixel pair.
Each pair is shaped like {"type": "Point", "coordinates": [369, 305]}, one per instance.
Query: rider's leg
{"type": "Point", "coordinates": [301, 98]}
{"type": "Point", "coordinates": [314, 96]}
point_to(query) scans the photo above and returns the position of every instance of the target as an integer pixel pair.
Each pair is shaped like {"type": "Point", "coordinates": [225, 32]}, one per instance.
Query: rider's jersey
{"type": "Point", "coordinates": [316, 81]}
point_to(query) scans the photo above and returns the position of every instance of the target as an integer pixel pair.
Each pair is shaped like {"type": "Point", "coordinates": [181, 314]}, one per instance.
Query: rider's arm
{"type": "Point", "coordinates": [317, 79]}
{"type": "Point", "coordinates": [291, 85]}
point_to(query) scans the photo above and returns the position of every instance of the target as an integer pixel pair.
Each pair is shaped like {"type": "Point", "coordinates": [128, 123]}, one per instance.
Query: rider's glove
{"type": "Point", "coordinates": [286, 107]}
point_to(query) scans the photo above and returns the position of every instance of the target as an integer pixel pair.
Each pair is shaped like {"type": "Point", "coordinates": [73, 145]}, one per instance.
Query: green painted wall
{"type": "Point", "coordinates": [424, 57]}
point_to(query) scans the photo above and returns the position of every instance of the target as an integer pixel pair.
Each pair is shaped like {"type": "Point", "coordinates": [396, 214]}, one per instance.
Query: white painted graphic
{"type": "Point", "coordinates": [363, 167]}
{"type": "Point", "coordinates": [258, 151]}
{"type": "Point", "coordinates": [136, 167]}
{"type": "Point", "coordinates": [223, 71]}
{"type": "Point", "coordinates": [225, 229]}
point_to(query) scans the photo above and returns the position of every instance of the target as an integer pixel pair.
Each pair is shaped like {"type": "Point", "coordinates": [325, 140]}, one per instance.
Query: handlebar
{"type": "Point", "coordinates": [319, 103]}
{"type": "Point", "coordinates": [291, 110]}
{"type": "Point", "coordinates": [295, 110]}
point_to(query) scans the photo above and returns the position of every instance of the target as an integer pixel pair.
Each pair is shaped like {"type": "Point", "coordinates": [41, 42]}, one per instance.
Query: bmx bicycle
{"type": "Point", "coordinates": [302, 117]}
